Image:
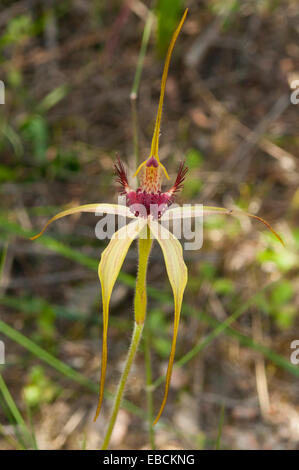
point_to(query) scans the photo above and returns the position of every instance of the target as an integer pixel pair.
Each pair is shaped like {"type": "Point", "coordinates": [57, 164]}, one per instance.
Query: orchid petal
{"type": "Point", "coordinates": [199, 211]}
{"type": "Point", "coordinates": [116, 209]}
{"type": "Point", "coordinates": [177, 274]}
{"type": "Point", "coordinates": [111, 262]}
{"type": "Point", "coordinates": [183, 212]}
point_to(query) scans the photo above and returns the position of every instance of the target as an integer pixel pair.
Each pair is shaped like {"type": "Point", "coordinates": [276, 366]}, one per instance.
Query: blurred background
{"type": "Point", "coordinates": [68, 68]}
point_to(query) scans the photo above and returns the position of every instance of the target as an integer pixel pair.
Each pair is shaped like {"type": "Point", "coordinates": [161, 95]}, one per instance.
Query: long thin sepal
{"type": "Point", "coordinates": [111, 262]}
{"type": "Point", "coordinates": [199, 211]}
{"type": "Point", "coordinates": [155, 141]}
{"type": "Point", "coordinates": [177, 274]}
{"type": "Point", "coordinates": [100, 208]}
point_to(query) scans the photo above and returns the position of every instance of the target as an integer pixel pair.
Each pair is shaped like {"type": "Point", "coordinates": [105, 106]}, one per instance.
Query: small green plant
{"type": "Point", "coordinates": [39, 388]}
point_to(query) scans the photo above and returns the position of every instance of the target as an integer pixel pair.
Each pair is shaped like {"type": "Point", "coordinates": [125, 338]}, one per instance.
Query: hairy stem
{"type": "Point", "coordinates": [149, 387]}
{"type": "Point", "coordinates": [140, 302]}
{"type": "Point", "coordinates": [122, 383]}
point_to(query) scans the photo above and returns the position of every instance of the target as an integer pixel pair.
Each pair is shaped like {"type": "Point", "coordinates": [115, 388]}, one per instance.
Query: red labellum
{"type": "Point", "coordinates": [148, 199]}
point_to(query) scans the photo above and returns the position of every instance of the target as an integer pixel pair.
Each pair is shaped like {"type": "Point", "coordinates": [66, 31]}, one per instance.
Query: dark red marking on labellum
{"type": "Point", "coordinates": [152, 162]}
{"type": "Point", "coordinates": [143, 203]}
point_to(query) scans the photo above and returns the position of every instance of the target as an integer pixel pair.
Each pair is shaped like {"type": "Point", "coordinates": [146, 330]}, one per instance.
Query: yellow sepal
{"type": "Point", "coordinates": [111, 262]}
{"type": "Point", "coordinates": [199, 211]}
{"type": "Point", "coordinates": [95, 208]}
{"type": "Point", "coordinates": [177, 274]}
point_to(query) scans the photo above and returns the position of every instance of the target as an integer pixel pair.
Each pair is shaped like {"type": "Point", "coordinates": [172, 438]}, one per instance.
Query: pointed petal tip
{"type": "Point", "coordinates": [97, 413]}
{"type": "Point", "coordinates": [280, 239]}
{"type": "Point", "coordinates": [177, 274]}
{"type": "Point", "coordinates": [159, 414]}
{"type": "Point", "coordinates": [139, 168]}
{"type": "Point", "coordinates": [39, 234]}
{"type": "Point", "coordinates": [34, 237]}
{"type": "Point", "coordinates": [156, 420]}
{"type": "Point", "coordinates": [164, 169]}
{"type": "Point", "coordinates": [269, 227]}
{"type": "Point", "coordinates": [96, 208]}
{"type": "Point", "coordinates": [111, 262]}
{"type": "Point", "coordinates": [224, 211]}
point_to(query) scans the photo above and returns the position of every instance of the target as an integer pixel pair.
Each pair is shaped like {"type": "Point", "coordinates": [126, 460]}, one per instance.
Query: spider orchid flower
{"type": "Point", "coordinates": [148, 206]}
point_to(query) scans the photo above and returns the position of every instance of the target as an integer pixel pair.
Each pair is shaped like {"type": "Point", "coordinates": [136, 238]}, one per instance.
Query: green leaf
{"type": "Point", "coordinates": [36, 131]}
{"type": "Point", "coordinates": [192, 187]}
{"type": "Point", "coordinates": [284, 259]}
{"type": "Point", "coordinates": [52, 98]}
{"type": "Point", "coordinates": [17, 29]}
{"type": "Point", "coordinates": [285, 316]}
{"type": "Point", "coordinates": [194, 158]}
{"type": "Point", "coordinates": [168, 15]}
{"type": "Point", "coordinates": [162, 346]}
{"type": "Point", "coordinates": [39, 389]}
{"type": "Point", "coordinates": [207, 270]}
{"type": "Point", "coordinates": [224, 286]}
{"type": "Point", "coordinates": [282, 293]}
{"type": "Point", "coordinates": [6, 173]}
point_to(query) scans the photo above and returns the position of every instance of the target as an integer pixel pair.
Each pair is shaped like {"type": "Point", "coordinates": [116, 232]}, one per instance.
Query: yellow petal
{"type": "Point", "coordinates": [100, 208]}
{"type": "Point", "coordinates": [199, 211]}
{"type": "Point", "coordinates": [183, 212]}
{"type": "Point", "coordinates": [222, 210]}
{"type": "Point", "coordinates": [177, 274]}
{"type": "Point", "coordinates": [111, 261]}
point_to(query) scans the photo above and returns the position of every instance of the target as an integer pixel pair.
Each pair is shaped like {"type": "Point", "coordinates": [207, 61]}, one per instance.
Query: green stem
{"type": "Point", "coordinates": [149, 387]}
{"type": "Point", "coordinates": [140, 302]}
{"type": "Point", "coordinates": [144, 42]}
{"type": "Point", "coordinates": [140, 311]}
{"type": "Point", "coordinates": [135, 131]}
{"type": "Point", "coordinates": [119, 394]}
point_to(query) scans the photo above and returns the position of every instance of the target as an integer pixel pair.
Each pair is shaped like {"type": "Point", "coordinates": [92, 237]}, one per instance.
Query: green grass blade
{"type": "Point", "coordinates": [60, 366]}
{"type": "Point", "coordinates": [45, 356]}
{"type": "Point", "coordinates": [16, 415]}
{"type": "Point", "coordinates": [11, 403]}
{"type": "Point", "coordinates": [143, 47]}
